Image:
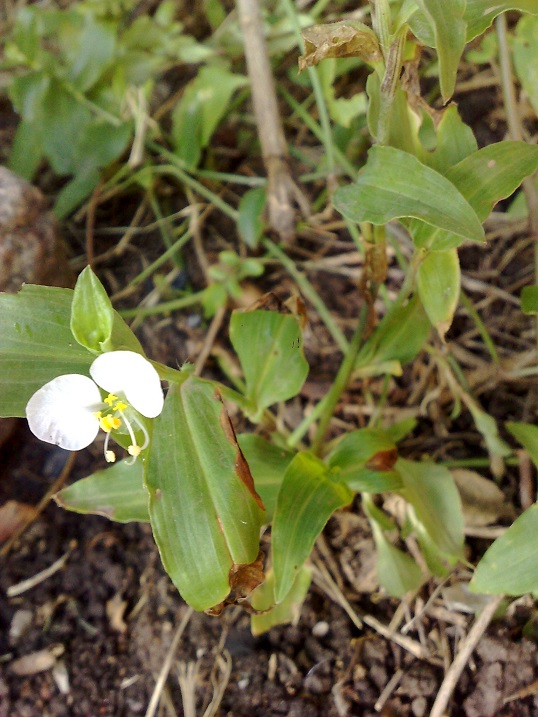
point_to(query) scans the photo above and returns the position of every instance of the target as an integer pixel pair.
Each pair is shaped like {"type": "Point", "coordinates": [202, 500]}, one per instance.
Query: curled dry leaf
{"type": "Point", "coordinates": [482, 501]}
{"type": "Point", "coordinates": [339, 39]}
{"type": "Point", "coordinates": [243, 580]}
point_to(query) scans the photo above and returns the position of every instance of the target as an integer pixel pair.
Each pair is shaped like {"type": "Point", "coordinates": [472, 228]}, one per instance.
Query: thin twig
{"type": "Point", "coordinates": [468, 645]}
{"type": "Point", "coordinates": [167, 664]}
{"type": "Point", "coordinates": [281, 189]}
{"type": "Point", "coordinates": [515, 129]}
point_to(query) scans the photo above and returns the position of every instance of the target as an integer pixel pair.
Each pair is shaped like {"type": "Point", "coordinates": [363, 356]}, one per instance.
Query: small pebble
{"type": "Point", "coordinates": [320, 629]}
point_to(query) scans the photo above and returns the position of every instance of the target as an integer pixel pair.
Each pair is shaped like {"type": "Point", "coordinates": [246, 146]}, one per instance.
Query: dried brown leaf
{"type": "Point", "coordinates": [339, 39]}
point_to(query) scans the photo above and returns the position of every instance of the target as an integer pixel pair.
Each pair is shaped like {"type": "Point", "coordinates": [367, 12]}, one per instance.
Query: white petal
{"type": "Point", "coordinates": [131, 375]}
{"type": "Point", "coordinates": [61, 411]}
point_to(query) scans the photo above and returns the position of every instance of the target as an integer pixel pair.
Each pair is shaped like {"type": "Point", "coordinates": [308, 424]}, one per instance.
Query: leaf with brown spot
{"type": "Point", "coordinates": [339, 39]}
{"type": "Point", "coordinates": [243, 580]}
{"type": "Point", "coordinates": [383, 460]}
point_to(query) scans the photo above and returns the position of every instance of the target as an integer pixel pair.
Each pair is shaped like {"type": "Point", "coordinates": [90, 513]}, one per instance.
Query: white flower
{"type": "Point", "coordinates": [69, 410]}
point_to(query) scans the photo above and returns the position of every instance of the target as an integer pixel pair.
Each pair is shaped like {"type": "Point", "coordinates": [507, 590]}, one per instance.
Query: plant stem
{"type": "Point", "coordinates": [316, 88]}
{"type": "Point", "coordinates": [173, 305]}
{"type": "Point", "coordinates": [341, 381]}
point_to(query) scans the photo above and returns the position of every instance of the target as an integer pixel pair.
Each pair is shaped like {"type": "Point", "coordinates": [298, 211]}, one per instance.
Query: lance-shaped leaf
{"type": "Point", "coordinates": [446, 19]}
{"type": "Point", "coordinates": [267, 463]}
{"type": "Point", "coordinates": [117, 493]}
{"type": "Point", "coordinates": [397, 572]}
{"type": "Point", "coordinates": [431, 491]}
{"type": "Point", "coordinates": [479, 14]}
{"type": "Point", "coordinates": [399, 337]}
{"type": "Point", "coordinates": [269, 345]}
{"type": "Point", "coordinates": [527, 435]}
{"type": "Point", "coordinates": [94, 322]}
{"type": "Point", "coordinates": [510, 565]}
{"type": "Point", "coordinates": [308, 496]}
{"type": "Point", "coordinates": [339, 39]}
{"type": "Point", "coordinates": [365, 459]}
{"type": "Point", "coordinates": [289, 610]}
{"type": "Point", "coordinates": [36, 344]}
{"type": "Point", "coordinates": [438, 281]}
{"type": "Point", "coordinates": [394, 185]}
{"type": "Point", "coordinates": [483, 178]}
{"type": "Point", "coordinates": [204, 511]}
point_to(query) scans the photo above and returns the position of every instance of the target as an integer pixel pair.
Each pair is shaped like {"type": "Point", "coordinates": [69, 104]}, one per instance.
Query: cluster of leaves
{"type": "Point", "coordinates": [206, 493]}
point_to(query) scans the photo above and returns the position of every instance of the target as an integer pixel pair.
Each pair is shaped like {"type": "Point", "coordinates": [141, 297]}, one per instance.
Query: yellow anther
{"type": "Point", "coordinates": [98, 415]}
{"type": "Point", "coordinates": [109, 400]}
{"type": "Point", "coordinates": [134, 451]}
{"type": "Point", "coordinates": [120, 406]}
{"type": "Point", "coordinates": [109, 423]}
{"type": "Point", "coordinates": [110, 456]}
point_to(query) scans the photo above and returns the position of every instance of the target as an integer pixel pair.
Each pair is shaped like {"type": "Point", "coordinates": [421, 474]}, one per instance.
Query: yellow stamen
{"type": "Point", "coordinates": [120, 406]}
{"type": "Point", "coordinates": [109, 400]}
{"type": "Point", "coordinates": [109, 423]}
{"type": "Point", "coordinates": [134, 451]}
{"type": "Point", "coordinates": [110, 456]}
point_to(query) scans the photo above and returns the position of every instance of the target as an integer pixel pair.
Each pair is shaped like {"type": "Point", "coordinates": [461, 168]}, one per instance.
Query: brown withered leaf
{"type": "Point", "coordinates": [339, 39]}
{"type": "Point", "coordinates": [483, 502]}
{"type": "Point", "coordinates": [243, 580]}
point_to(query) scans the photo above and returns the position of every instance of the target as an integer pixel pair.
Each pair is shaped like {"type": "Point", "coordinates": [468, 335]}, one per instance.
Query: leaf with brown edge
{"type": "Point", "coordinates": [244, 579]}
{"type": "Point", "coordinates": [241, 466]}
{"type": "Point", "coordinates": [339, 39]}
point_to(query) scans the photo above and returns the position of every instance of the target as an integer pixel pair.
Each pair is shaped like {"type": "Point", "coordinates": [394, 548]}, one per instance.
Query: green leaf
{"type": "Point", "coordinates": [270, 348]}
{"type": "Point", "coordinates": [250, 223]}
{"type": "Point", "coordinates": [89, 51]}
{"type": "Point", "coordinates": [201, 109]}
{"type": "Point", "coordinates": [483, 178]}
{"type": "Point", "coordinates": [394, 184]}
{"type": "Point", "coordinates": [479, 14]}
{"type": "Point", "coordinates": [529, 300]}
{"type": "Point", "coordinates": [510, 565]}
{"type": "Point", "coordinates": [75, 192]}
{"type": "Point", "coordinates": [446, 19]}
{"type": "Point", "coordinates": [36, 344]}
{"type": "Point", "coordinates": [65, 121]}
{"type": "Point", "coordinates": [204, 512]}
{"type": "Point", "coordinates": [116, 492]}
{"type": "Point", "coordinates": [438, 282]}
{"type": "Point", "coordinates": [487, 426]}
{"type": "Point", "coordinates": [397, 572]}
{"type": "Point", "coordinates": [364, 460]}
{"type": "Point", "coordinates": [397, 340]}
{"type": "Point", "coordinates": [524, 47]}
{"type": "Point", "coordinates": [455, 141]}
{"type": "Point", "coordinates": [308, 496]}
{"type": "Point", "coordinates": [26, 151]}
{"type": "Point", "coordinates": [94, 322]}
{"type": "Point", "coordinates": [431, 491]}
{"type": "Point", "coordinates": [267, 463]}
{"type": "Point", "coordinates": [493, 173]}
{"type": "Point", "coordinates": [527, 435]}
{"type": "Point", "coordinates": [263, 599]}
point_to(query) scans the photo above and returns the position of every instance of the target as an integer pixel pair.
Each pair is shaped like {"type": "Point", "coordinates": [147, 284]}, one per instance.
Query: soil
{"type": "Point", "coordinates": [90, 638]}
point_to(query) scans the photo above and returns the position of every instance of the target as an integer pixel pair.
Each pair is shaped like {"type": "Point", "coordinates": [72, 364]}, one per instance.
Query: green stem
{"type": "Point", "coordinates": [341, 381]}
{"type": "Point", "coordinates": [484, 333]}
{"type": "Point", "coordinates": [316, 88]}
{"type": "Point", "coordinates": [309, 292]}
{"type": "Point", "coordinates": [173, 305]}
